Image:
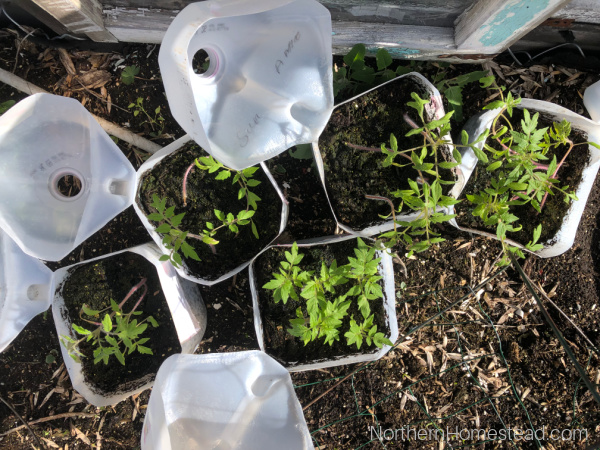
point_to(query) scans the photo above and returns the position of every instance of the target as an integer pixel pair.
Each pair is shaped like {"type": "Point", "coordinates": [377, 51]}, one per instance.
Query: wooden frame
{"type": "Point", "coordinates": [76, 16]}
{"type": "Point", "coordinates": [473, 30]}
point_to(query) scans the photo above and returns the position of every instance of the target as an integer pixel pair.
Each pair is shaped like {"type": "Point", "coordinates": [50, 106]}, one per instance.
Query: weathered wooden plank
{"type": "Point", "coordinates": [411, 4]}
{"type": "Point", "coordinates": [138, 24]}
{"type": "Point", "coordinates": [403, 41]}
{"type": "Point", "coordinates": [425, 12]}
{"type": "Point", "coordinates": [408, 12]}
{"type": "Point", "coordinates": [490, 26]}
{"type": "Point", "coordinates": [583, 11]}
{"type": "Point", "coordinates": [78, 17]}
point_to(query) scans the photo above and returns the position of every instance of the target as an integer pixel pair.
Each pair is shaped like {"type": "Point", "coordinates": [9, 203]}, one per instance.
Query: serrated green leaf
{"type": "Point", "coordinates": [80, 330]}
{"type": "Point", "coordinates": [107, 324]}
{"type": "Point", "coordinates": [155, 217]}
{"type": "Point", "coordinates": [163, 228]}
{"type": "Point", "coordinates": [144, 350]}
{"type": "Point", "coordinates": [90, 312]}
{"type": "Point", "coordinates": [494, 166]}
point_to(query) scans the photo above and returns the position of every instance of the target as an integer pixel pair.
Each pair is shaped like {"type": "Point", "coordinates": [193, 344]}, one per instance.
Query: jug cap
{"type": "Point", "coordinates": [25, 289]}
{"type": "Point", "coordinates": [268, 85]}
{"type": "Point", "coordinates": [61, 176]}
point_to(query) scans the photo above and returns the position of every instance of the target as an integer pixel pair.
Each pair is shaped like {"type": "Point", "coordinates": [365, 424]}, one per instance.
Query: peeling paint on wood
{"type": "Point", "coordinates": [429, 29]}
{"type": "Point", "coordinates": [514, 16]}
{"type": "Point", "coordinates": [490, 26]}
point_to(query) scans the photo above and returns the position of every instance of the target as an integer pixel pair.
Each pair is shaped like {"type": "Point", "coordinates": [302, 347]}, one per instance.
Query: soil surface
{"type": "Point", "coordinates": [205, 194]}
{"type": "Point", "coordinates": [94, 285]}
{"type": "Point", "coordinates": [309, 212]}
{"type": "Point", "coordinates": [275, 317]}
{"type": "Point", "coordinates": [351, 173]}
{"type": "Point", "coordinates": [555, 207]}
{"type": "Point", "coordinates": [490, 362]}
{"type": "Point", "coordinates": [230, 319]}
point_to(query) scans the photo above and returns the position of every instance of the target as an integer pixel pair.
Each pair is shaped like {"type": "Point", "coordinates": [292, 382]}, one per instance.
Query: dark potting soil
{"type": "Point", "coordinates": [230, 318]}
{"type": "Point", "coordinates": [204, 195]}
{"type": "Point", "coordinates": [95, 284]}
{"type": "Point", "coordinates": [350, 174]}
{"type": "Point", "coordinates": [276, 316]}
{"type": "Point", "coordinates": [555, 207]}
{"type": "Point", "coordinates": [309, 212]}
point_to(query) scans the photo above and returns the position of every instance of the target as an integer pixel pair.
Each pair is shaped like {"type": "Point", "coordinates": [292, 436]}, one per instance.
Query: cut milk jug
{"type": "Point", "coordinates": [25, 289]}
{"type": "Point", "coordinates": [242, 400]}
{"type": "Point", "coordinates": [265, 83]}
{"type": "Point", "coordinates": [61, 176]}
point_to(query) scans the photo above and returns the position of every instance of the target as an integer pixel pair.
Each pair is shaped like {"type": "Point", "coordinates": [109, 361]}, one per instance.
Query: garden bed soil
{"type": "Point", "coordinates": [309, 213]}
{"type": "Point", "coordinates": [204, 195]}
{"type": "Point", "coordinates": [276, 316]}
{"type": "Point", "coordinates": [401, 389]}
{"type": "Point", "coordinates": [350, 173]}
{"type": "Point", "coordinates": [555, 207]}
{"type": "Point", "coordinates": [230, 321]}
{"type": "Point", "coordinates": [95, 284]}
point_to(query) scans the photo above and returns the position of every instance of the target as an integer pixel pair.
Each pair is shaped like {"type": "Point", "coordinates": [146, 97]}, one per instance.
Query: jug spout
{"type": "Point", "coordinates": [38, 292]}
{"type": "Point", "coordinates": [119, 187]}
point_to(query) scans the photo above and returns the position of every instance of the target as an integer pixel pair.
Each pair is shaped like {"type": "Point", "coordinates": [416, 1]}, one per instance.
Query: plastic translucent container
{"type": "Point", "coordinates": [25, 289]}
{"type": "Point", "coordinates": [565, 236]}
{"type": "Point", "coordinates": [44, 140]}
{"type": "Point", "coordinates": [242, 400]}
{"type": "Point", "coordinates": [268, 86]}
{"type": "Point", "coordinates": [591, 100]}
{"type": "Point", "coordinates": [185, 305]}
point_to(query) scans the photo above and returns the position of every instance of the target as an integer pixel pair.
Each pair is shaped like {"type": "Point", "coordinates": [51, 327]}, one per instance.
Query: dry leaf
{"type": "Point", "coordinates": [66, 61]}
{"type": "Point", "coordinates": [94, 79]}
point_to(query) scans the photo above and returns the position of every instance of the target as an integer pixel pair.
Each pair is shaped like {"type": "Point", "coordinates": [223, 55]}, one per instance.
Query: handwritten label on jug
{"type": "Point", "coordinates": [244, 136]}
{"type": "Point", "coordinates": [208, 28]}
{"type": "Point", "coordinates": [290, 47]}
{"type": "Point", "coordinates": [46, 165]}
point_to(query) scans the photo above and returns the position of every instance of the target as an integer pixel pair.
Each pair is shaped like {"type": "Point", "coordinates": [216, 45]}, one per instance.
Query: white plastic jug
{"type": "Point", "coordinates": [268, 85]}
{"type": "Point", "coordinates": [242, 400]}
{"type": "Point", "coordinates": [25, 289]}
{"type": "Point", "coordinates": [44, 140]}
{"type": "Point", "coordinates": [591, 100]}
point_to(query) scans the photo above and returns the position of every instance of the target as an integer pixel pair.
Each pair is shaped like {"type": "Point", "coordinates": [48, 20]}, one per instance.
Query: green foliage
{"type": "Point", "coordinates": [323, 312]}
{"type": "Point", "coordinates": [5, 106]}
{"type": "Point", "coordinates": [365, 331]}
{"type": "Point", "coordinates": [452, 89]}
{"type": "Point", "coordinates": [174, 239]}
{"type": "Point", "coordinates": [128, 74]}
{"type": "Point", "coordinates": [245, 180]}
{"type": "Point", "coordinates": [302, 151]}
{"type": "Point", "coordinates": [117, 334]}
{"type": "Point", "coordinates": [425, 194]}
{"type": "Point", "coordinates": [356, 75]}
{"type": "Point", "coordinates": [522, 172]}
{"type": "Point", "coordinates": [156, 121]}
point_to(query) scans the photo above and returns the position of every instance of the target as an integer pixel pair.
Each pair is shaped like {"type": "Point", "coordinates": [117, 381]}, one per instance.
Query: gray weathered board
{"type": "Point", "coordinates": [421, 29]}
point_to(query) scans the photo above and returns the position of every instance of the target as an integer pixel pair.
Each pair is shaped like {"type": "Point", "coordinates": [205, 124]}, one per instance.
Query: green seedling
{"type": "Point", "coordinates": [176, 240]}
{"type": "Point", "coordinates": [522, 172]}
{"type": "Point", "coordinates": [356, 75]}
{"type": "Point", "coordinates": [129, 73]}
{"type": "Point", "coordinates": [156, 121]}
{"type": "Point", "coordinates": [452, 89]}
{"type": "Point", "coordinates": [117, 334]}
{"type": "Point", "coordinates": [322, 312]}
